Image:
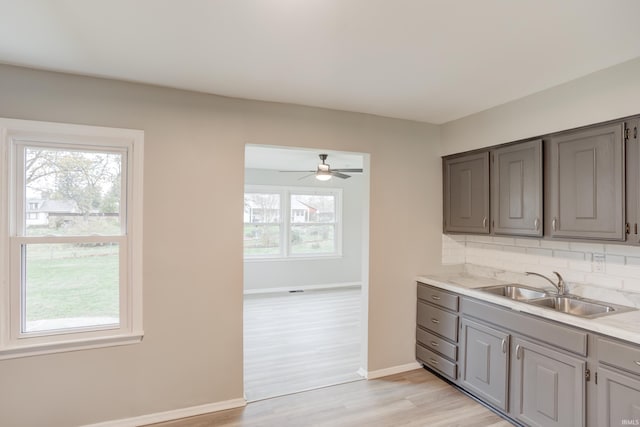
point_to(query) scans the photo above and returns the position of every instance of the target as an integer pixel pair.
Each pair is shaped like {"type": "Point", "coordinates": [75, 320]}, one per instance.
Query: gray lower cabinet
{"type": "Point", "coordinates": [485, 362]}
{"type": "Point", "coordinates": [618, 398]}
{"type": "Point", "coordinates": [549, 386]}
{"type": "Point", "coordinates": [586, 184]}
{"type": "Point", "coordinates": [618, 383]}
{"type": "Point", "coordinates": [516, 189]}
{"type": "Point", "coordinates": [437, 330]}
{"type": "Point", "coordinates": [466, 193]}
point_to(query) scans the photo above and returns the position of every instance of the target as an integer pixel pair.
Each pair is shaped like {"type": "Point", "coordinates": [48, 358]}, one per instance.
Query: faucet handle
{"type": "Point", "coordinates": [560, 279]}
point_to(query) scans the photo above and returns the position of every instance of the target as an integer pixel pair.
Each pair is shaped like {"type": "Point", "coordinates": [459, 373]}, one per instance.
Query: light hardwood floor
{"type": "Point", "coordinates": [411, 399]}
{"type": "Point", "coordinates": [300, 341]}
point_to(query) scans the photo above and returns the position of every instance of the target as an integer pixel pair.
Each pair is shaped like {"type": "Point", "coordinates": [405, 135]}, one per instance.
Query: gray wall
{"type": "Point", "coordinates": [193, 273]}
{"type": "Point", "coordinates": [265, 274]}
{"type": "Point", "coordinates": [608, 94]}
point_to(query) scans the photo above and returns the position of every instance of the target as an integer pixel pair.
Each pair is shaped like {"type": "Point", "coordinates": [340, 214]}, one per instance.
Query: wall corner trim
{"type": "Point", "coordinates": [371, 375]}
{"type": "Point", "coordinates": [175, 414]}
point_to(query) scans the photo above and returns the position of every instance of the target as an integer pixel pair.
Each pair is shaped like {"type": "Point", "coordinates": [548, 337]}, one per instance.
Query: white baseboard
{"type": "Point", "coordinates": [371, 375]}
{"type": "Point", "coordinates": [302, 288]}
{"type": "Point", "coordinates": [160, 417]}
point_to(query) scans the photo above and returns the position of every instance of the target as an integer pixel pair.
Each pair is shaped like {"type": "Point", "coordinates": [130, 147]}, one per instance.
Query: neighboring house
{"type": "Point", "coordinates": [50, 212]}
{"type": "Point", "coordinates": [300, 212]}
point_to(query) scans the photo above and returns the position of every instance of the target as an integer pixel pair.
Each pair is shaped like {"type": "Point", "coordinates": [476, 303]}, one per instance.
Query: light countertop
{"type": "Point", "coordinates": [624, 326]}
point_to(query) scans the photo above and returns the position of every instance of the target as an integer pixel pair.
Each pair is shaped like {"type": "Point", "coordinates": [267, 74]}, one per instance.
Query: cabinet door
{"type": "Point", "coordinates": [632, 145]}
{"type": "Point", "coordinates": [618, 398]}
{"type": "Point", "coordinates": [485, 362]}
{"type": "Point", "coordinates": [587, 184]}
{"type": "Point", "coordinates": [549, 386]}
{"type": "Point", "coordinates": [466, 194]}
{"type": "Point", "coordinates": [516, 189]}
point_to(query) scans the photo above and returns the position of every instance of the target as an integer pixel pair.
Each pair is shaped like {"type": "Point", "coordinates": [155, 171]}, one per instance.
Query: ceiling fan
{"type": "Point", "coordinates": [325, 173]}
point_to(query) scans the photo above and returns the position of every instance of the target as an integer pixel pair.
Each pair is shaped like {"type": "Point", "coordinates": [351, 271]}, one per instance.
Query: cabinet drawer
{"type": "Point", "coordinates": [437, 344]}
{"type": "Point", "coordinates": [620, 355]}
{"type": "Point", "coordinates": [557, 335]}
{"type": "Point", "coordinates": [437, 320]}
{"type": "Point", "coordinates": [438, 297]}
{"type": "Point", "coordinates": [436, 362]}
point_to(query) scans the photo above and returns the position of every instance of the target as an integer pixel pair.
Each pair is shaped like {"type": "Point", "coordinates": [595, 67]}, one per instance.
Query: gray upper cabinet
{"type": "Point", "coordinates": [586, 184]}
{"type": "Point", "coordinates": [632, 142]}
{"type": "Point", "coordinates": [466, 193]}
{"type": "Point", "coordinates": [516, 189]}
{"type": "Point", "coordinates": [485, 362]}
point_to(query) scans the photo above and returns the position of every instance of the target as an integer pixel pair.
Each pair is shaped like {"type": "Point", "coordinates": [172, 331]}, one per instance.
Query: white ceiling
{"type": "Point", "coordinates": [427, 60]}
{"type": "Point", "coordinates": [280, 158]}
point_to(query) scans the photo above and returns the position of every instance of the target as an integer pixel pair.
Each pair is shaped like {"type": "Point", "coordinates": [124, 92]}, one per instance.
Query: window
{"type": "Point", "coordinates": [74, 276]}
{"type": "Point", "coordinates": [281, 222]}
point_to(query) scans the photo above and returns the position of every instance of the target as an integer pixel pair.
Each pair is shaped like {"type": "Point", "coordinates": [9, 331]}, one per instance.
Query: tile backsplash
{"type": "Point", "coordinates": [588, 267]}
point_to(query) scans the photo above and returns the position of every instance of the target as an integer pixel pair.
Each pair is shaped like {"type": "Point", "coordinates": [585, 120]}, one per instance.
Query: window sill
{"type": "Point", "coordinates": [14, 352]}
{"type": "Point", "coordinates": [294, 258]}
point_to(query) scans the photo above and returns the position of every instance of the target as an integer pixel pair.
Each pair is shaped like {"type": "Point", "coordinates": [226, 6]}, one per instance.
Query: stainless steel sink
{"type": "Point", "coordinates": [569, 304]}
{"type": "Point", "coordinates": [578, 306]}
{"type": "Point", "coordinates": [515, 291]}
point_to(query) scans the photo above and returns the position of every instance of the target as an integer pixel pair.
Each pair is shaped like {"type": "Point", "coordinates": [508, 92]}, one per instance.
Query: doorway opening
{"type": "Point", "coordinates": [305, 269]}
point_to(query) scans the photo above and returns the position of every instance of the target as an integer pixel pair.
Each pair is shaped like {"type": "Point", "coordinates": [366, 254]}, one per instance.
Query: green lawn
{"type": "Point", "coordinates": [70, 281]}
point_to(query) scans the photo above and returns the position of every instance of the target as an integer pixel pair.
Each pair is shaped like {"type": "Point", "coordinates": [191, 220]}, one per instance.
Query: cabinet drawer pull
{"type": "Point", "coordinates": [434, 361]}
{"type": "Point", "coordinates": [536, 224]}
{"type": "Point", "coordinates": [435, 297]}
{"type": "Point", "coordinates": [436, 321]}
{"type": "Point", "coordinates": [435, 344]}
{"type": "Point", "coordinates": [484, 222]}
{"type": "Point", "coordinates": [637, 362]}
{"type": "Point", "coordinates": [518, 352]}
{"type": "Point", "coordinates": [504, 345]}
{"type": "Point", "coordinates": [553, 224]}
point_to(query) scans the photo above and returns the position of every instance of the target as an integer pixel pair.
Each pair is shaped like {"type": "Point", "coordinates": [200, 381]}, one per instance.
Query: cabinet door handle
{"type": "Point", "coordinates": [436, 321]}
{"type": "Point", "coordinates": [637, 362]}
{"type": "Point", "coordinates": [484, 222]}
{"type": "Point", "coordinates": [536, 224]}
{"type": "Point", "coordinates": [434, 361]}
{"type": "Point", "coordinates": [504, 345]}
{"type": "Point", "coordinates": [435, 297]}
{"type": "Point", "coordinates": [518, 352]}
{"type": "Point", "coordinates": [553, 224]}
{"type": "Point", "coordinates": [434, 344]}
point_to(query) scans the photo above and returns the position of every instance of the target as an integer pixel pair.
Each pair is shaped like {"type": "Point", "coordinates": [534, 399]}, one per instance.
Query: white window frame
{"type": "Point", "coordinates": [16, 134]}
{"type": "Point", "coordinates": [285, 193]}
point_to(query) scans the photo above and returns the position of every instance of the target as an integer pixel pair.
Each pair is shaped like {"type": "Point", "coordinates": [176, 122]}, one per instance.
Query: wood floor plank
{"type": "Point", "coordinates": [300, 341]}
{"type": "Point", "coordinates": [412, 399]}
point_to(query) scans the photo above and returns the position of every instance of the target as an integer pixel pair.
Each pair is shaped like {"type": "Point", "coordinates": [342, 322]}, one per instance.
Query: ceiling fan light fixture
{"type": "Point", "coordinates": [323, 175]}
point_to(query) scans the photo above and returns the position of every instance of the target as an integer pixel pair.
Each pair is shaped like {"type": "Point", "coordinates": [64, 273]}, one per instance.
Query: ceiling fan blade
{"type": "Point", "coordinates": [306, 176]}
{"type": "Point", "coordinates": [297, 171]}
{"type": "Point", "coordinates": [339, 175]}
{"type": "Point", "coordinates": [347, 170]}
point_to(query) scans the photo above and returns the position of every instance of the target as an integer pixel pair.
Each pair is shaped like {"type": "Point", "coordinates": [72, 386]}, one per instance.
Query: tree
{"type": "Point", "coordinates": [91, 179]}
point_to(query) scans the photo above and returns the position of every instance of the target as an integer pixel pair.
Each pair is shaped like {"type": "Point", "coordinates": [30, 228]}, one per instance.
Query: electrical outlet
{"type": "Point", "coordinates": [597, 263]}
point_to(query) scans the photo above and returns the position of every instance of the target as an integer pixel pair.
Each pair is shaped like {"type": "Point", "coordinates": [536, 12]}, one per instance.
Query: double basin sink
{"type": "Point", "coordinates": [569, 304]}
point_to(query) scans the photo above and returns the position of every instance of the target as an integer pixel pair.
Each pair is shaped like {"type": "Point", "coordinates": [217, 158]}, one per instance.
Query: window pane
{"type": "Point", "coordinates": [261, 224]}
{"type": "Point", "coordinates": [70, 285]}
{"type": "Point", "coordinates": [312, 208]}
{"type": "Point", "coordinates": [312, 239]}
{"type": "Point", "coordinates": [261, 208]}
{"type": "Point", "coordinates": [261, 239]}
{"type": "Point", "coordinates": [72, 192]}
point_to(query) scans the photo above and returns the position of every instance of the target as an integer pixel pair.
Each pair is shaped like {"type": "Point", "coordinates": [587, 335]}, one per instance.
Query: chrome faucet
{"type": "Point", "coordinates": [561, 286]}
